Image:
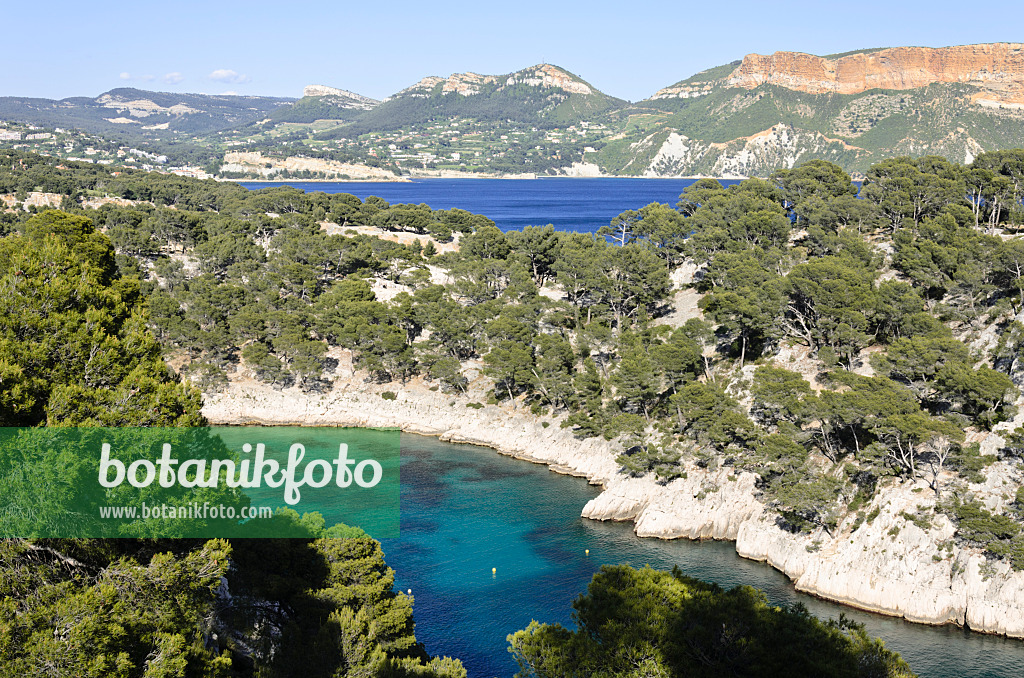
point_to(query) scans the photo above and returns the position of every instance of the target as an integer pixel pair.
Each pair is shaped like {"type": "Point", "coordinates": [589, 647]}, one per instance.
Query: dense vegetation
{"type": "Point", "coordinates": [896, 311]}
{"type": "Point", "coordinates": [849, 339]}
{"type": "Point", "coordinates": [540, 106]}
{"type": "Point", "coordinates": [206, 113]}
{"type": "Point", "coordinates": [75, 351]}
{"type": "Point", "coordinates": [311, 109]}
{"type": "Point", "coordinates": [649, 623]}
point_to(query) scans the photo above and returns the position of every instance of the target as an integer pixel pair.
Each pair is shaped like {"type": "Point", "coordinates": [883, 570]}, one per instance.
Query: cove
{"type": "Point", "coordinates": [467, 509]}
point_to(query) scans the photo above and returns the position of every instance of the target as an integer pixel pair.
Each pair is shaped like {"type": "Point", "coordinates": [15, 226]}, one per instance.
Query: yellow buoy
{"type": "Point", "coordinates": [588, 552]}
{"type": "Point", "coordinates": [494, 570]}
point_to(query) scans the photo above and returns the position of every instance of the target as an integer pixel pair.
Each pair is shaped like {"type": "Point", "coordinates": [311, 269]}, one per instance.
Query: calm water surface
{"type": "Point", "coordinates": [583, 205]}
{"type": "Point", "coordinates": [467, 509]}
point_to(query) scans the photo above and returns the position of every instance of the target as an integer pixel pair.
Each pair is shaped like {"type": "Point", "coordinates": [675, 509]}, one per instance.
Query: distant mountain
{"type": "Point", "coordinates": [344, 97]}
{"type": "Point", "coordinates": [746, 118]}
{"type": "Point", "coordinates": [320, 102]}
{"type": "Point", "coordinates": [543, 95]}
{"type": "Point", "coordinates": [139, 113]}
{"type": "Point", "coordinates": [764, 112]}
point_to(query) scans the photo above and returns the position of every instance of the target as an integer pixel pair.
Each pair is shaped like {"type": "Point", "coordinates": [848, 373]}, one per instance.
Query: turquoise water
{"type": "Point", "coordinates": [375, 509]}
{"type": "Point", "coordinates": [467, 509]}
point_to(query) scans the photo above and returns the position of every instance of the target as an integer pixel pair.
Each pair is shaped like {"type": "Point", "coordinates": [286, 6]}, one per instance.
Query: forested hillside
{"type": "Point", "coordinates": [896, 309]}
{"type": "Point", "coordinates": [841, 342]}
{"type": "Point", "coordinates": [75, 351]}
{"type": "Point", "coordinates": [141, 114]}
{"type": "Point", "coordinates": [834, 342]}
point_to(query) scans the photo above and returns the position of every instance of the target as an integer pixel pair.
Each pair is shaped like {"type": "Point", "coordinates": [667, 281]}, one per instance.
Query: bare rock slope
{"type": "Point", "coordinates": [997, 68]}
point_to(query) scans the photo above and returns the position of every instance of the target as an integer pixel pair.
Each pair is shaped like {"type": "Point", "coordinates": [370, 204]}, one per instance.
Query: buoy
{"type": "Point", "coordinates": [494, 570]}
{"type": "Point", "coordinates": [588, 552]}
{"type": "Point", "coordinates": [410, 592]}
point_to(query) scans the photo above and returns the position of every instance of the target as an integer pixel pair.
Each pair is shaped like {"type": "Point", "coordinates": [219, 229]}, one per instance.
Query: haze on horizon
{"type": "Point", "coordinates": [64, 49]}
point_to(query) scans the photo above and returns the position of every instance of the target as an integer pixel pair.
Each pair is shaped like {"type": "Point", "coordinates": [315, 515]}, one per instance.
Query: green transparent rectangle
{"type": "Point", "coordinates": [158, 482]}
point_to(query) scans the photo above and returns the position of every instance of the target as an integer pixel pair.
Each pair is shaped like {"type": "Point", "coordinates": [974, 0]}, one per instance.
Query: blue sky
{"type": "Point", "coordinates": [627, 49]}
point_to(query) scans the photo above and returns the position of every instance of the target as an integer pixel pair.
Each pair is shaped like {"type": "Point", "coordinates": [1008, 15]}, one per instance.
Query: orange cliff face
{"type": "Point", "coordinates": [996, 68]}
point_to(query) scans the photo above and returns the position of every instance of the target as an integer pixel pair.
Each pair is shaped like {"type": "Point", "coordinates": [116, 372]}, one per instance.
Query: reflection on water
{"type": "Point", "coordinates": [466, 510]}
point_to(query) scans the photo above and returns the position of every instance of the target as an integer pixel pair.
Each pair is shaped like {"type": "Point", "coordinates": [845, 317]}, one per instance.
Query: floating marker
{"type": "Point", "coordinates": [494, 570]}
{"type": "Point", "coordinates": [588, 552]}
{"type": "Point", "coordinates": [410, 592]}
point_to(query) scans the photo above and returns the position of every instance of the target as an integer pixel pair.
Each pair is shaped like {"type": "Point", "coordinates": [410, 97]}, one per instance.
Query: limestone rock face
{"type": "Point", "coordinates": [687, 91]}
{"type": "Point", "coordinates": [141, 108]}
{"type": "Point", "coordinates": [546, 75]}
{"type": "Point", "coordinates": [779, 146]}
{"type": "Point", "coordinates": [890, 565]}
{"type": "Point", "coordinates": [893, 564]}
{"type": "Point", "coordinates": [704, 505]}
{"type": "Point", "coordinates": [418, 411]}
{"type": "Point", "coordinates": [352, 100]}
{"type": "Point", "coordinates": [255, 162]}
{"type": "Point", "coordinates": [468, 84]}
{"type": "Point", "coordinates": [997, 68]}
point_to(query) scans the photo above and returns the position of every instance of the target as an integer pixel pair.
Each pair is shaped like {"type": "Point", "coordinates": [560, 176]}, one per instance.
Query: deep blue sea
{"type": "Point", "coordinates": [467, 509]}
{"type": "Point", "coordinates": [583, 205]}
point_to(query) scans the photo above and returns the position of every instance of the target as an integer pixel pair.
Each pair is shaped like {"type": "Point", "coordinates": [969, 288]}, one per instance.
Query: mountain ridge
{"type": "Point", "coordinates": [468, 83]}
{"type": "Point", "coordinates": [748, 117]}
{"type": "Point", "coordinates": [997, 68]}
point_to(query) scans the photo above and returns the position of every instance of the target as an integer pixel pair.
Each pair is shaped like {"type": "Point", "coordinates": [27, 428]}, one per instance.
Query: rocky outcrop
{"type": "Point", "coordinates": [401, 237]}
{"type": "Point", "coordinates": [778, 146]}
{"type": "Point", "coordinates": [583, 169]}
{"type": "Point", "coordinates": [141, 108]}
{"type": "Point", "coordinates": [34, 199]}
{"type": "Point", "coordinates": [546, 75]}
{"type": "Point", "coordinates": [468, 84]}
{"type": "Point", "coordinates": [255, 163]}
{"type": "Point", "coordinates": [890, 564]}
{"type": "Point", "coordinates": [417, 411]}
{"type": "Point", "coordinates": [996, 68]}
{"type": "Point", "coordinates": [97, 202]}
{"type": "Point", "coordinates": [350, 99]}
{"type": "Point", "coordinates": [687, 91]}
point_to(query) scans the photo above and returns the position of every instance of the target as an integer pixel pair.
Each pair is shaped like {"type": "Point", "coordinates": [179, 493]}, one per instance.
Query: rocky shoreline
{"type": "Point", "coordinates": [890, 565]}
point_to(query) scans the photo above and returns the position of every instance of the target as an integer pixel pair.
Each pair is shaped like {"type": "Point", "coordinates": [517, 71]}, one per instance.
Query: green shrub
{"type": "Point", "coordinates": [651, 623]}
{"type": "Point", "coordinates": [998, 534]}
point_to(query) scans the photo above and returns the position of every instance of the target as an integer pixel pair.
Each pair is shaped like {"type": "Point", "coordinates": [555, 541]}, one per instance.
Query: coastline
{"type": "Point", "coordinates": [396, 180]}
{"type": "Point", "coordinates": [406, 178]}
{"type": "Point", "coordinates": [889, 565]}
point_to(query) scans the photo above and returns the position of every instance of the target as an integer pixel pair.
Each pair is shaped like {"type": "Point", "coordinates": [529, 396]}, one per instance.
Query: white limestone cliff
{"type": "Point", "coordinates": [888, 565]}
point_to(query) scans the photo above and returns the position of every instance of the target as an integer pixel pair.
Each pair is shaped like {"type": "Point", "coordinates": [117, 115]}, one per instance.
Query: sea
{"type": "Point", "coordinates": [570, 204]}
{"type": "Point", "coordinates": [489, 543]}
